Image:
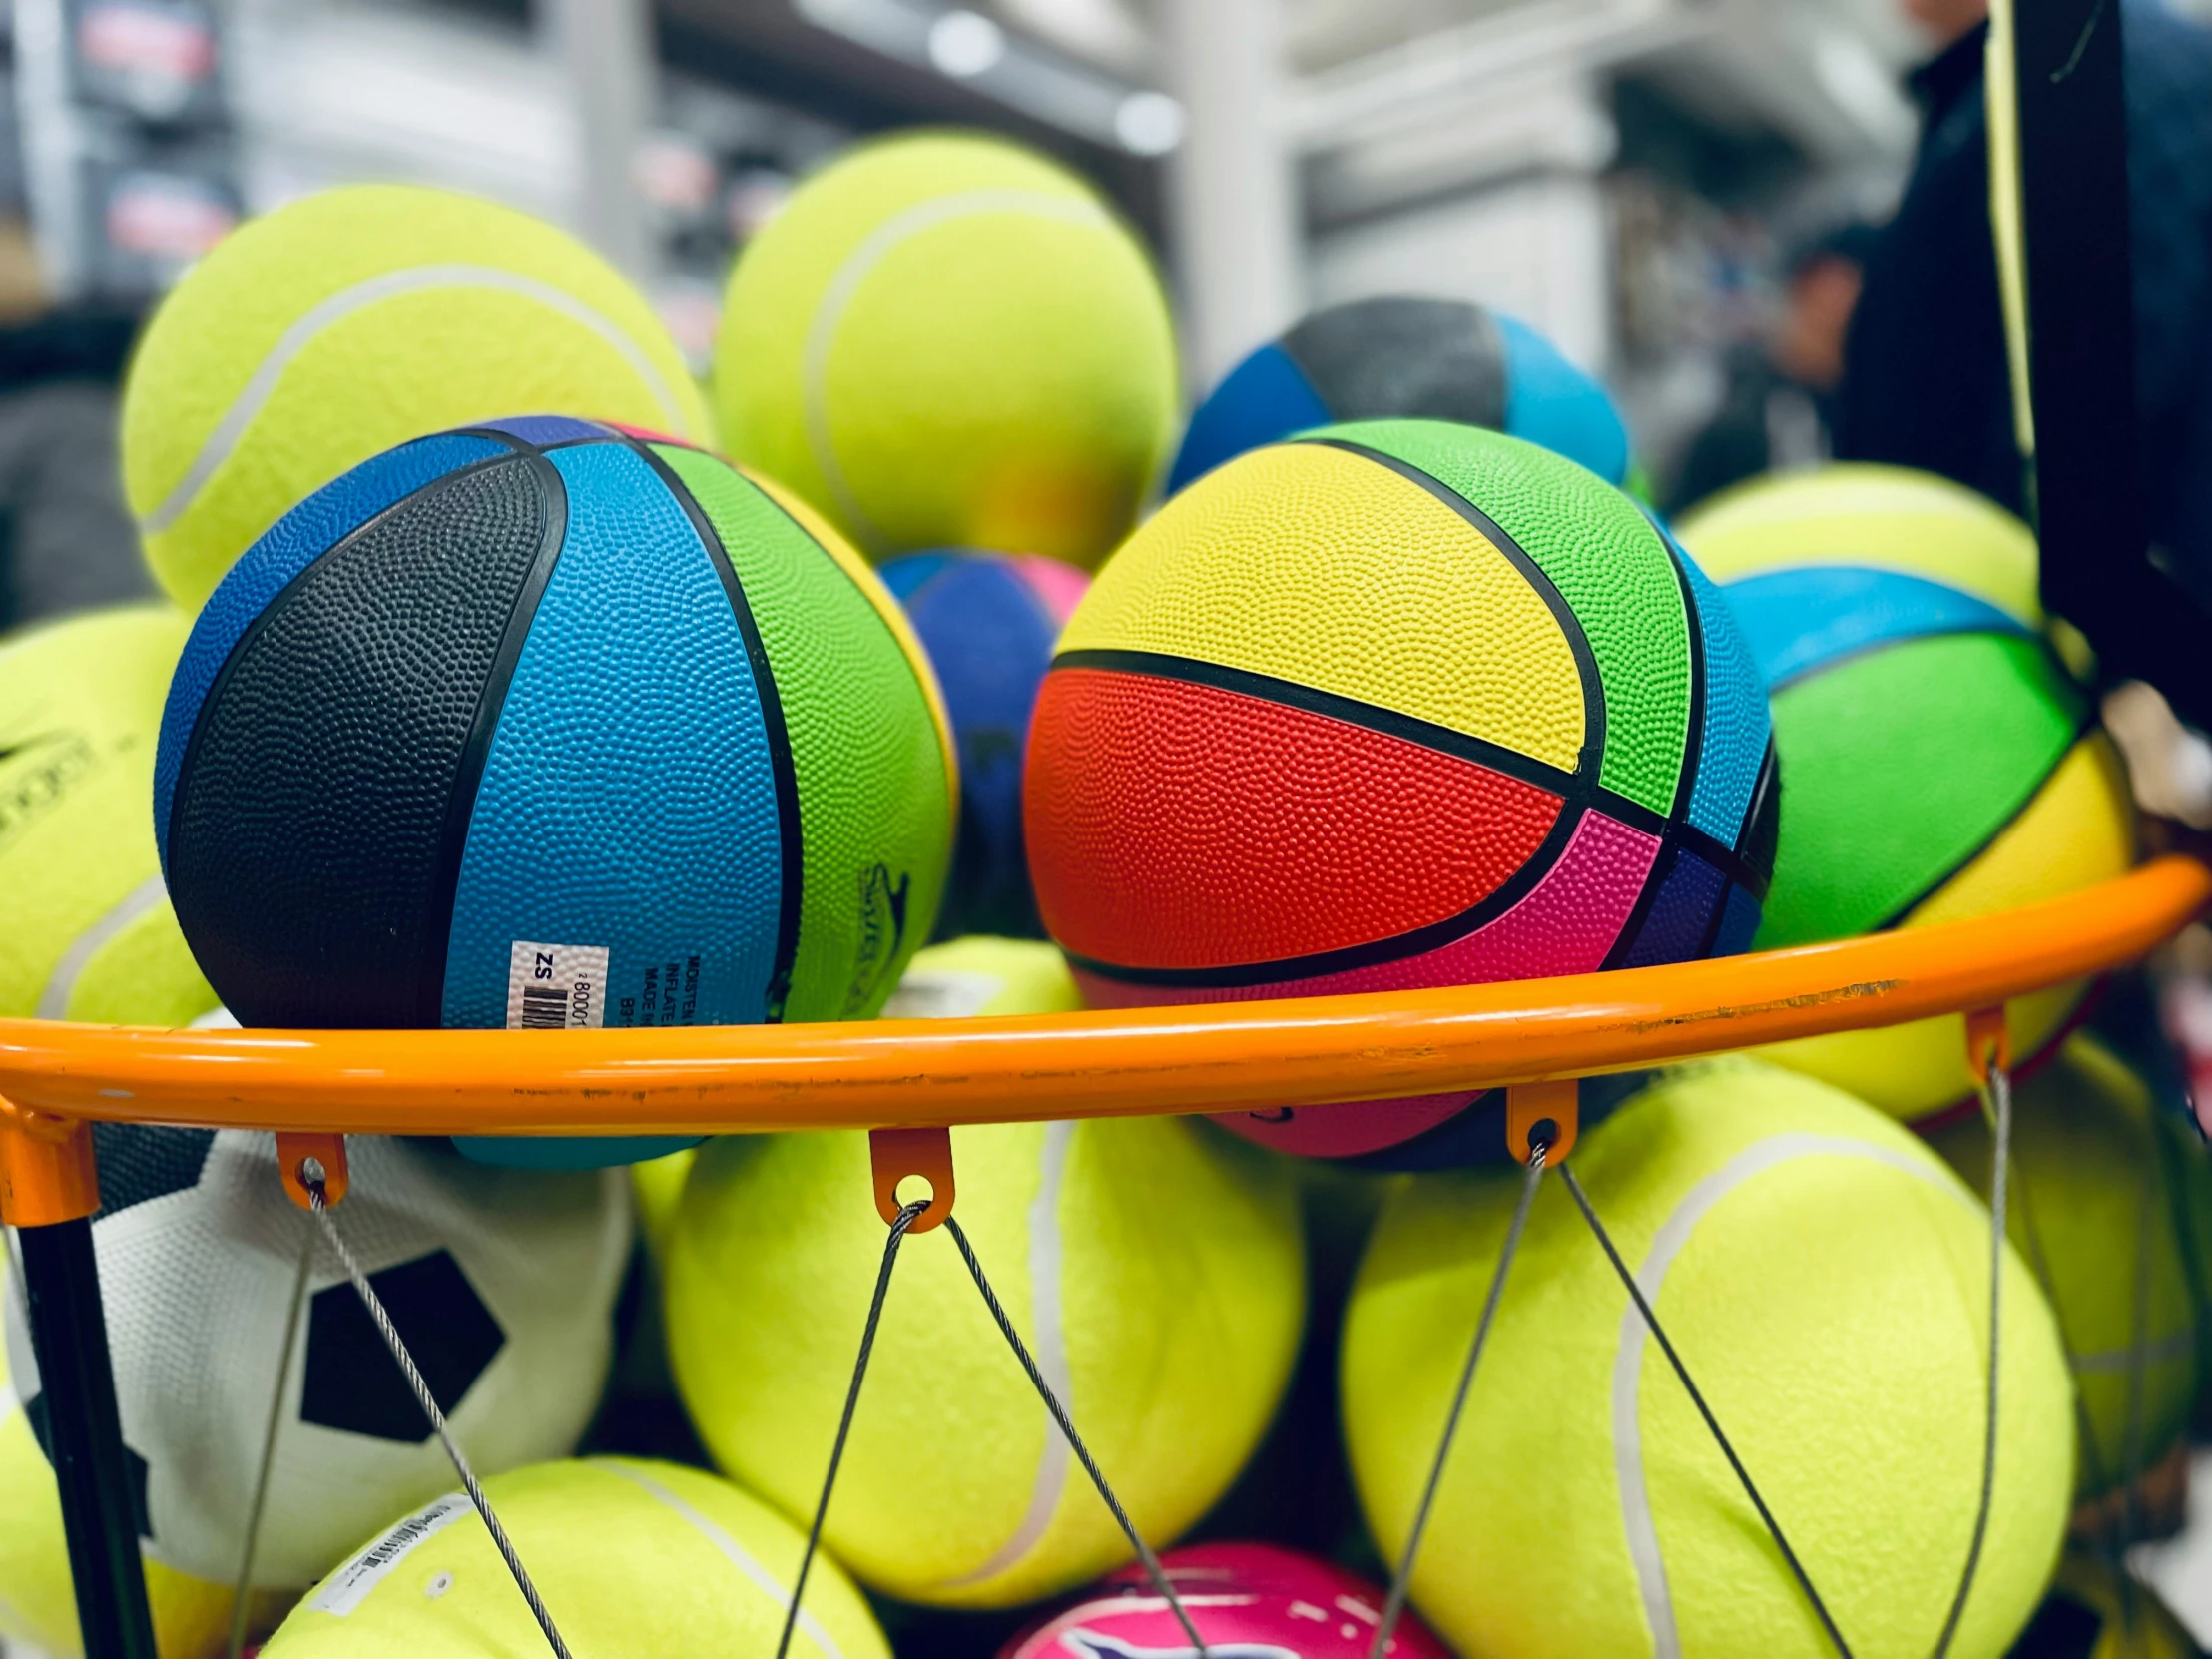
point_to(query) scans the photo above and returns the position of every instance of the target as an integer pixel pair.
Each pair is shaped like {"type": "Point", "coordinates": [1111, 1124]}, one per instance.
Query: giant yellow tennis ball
{"type": "Point", "coordinates": [1154, 1267]}
{"type": "Point", "coordinates": [1824, 1277]}
{"type": "Point", "coordinates": [347, 324]}
{"type": "Point", "coordinates": [1939, 761]}
{"type": "Point", "coordinates": [88, 932]}
{"type": "Point", "coordinates": [944, 339]}
{"type": "Point", "coordinates": [634, 1561]}
{"type": "Point", "coordinates": [2092, 1215]}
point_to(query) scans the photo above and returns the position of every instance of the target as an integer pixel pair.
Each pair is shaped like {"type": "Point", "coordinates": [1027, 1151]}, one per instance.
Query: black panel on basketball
{"type": "Point", "coordinates": [310, 834]}
{"type": "Point", "coordinates": [1391, 358]}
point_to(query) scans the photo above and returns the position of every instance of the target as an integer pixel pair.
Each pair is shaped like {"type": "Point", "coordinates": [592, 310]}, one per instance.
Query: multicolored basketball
{"type": "Point", "coordinates": [989, 622]}
{"type": "Point", "coordinates": [1941, 761]}
{"type": "Point", "coordinates": [1398, 703]}
{"type": "Point", "coordinates": [1399, 357]}
{"type": "Point", "coordinates": [545, 724]}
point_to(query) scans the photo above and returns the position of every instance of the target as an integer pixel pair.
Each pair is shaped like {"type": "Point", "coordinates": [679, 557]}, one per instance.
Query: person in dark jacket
{"type": "Point", "coordinates": [1926, 378]}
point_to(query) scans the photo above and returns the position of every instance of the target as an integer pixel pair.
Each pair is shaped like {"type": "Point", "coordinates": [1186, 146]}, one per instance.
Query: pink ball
{"type": "Point", "coordinates": [1250, 1601]}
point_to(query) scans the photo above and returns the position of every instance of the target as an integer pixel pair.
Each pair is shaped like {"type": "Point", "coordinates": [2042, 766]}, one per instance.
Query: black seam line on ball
{"type": "Point", "coordinates": [1693, 739]}
{"type": "Point", "coordinates": [792, 873]}
{"type": "Point", "coordinates": [1592, 759]}
{"type": "Point", "coordinates": [483, 726]}
{"type": "Point", "coordinates": [1762, 794]}
{"type": "Point", "coordinates": [1647, 896]}
{"type": "Point", "coordinates": [1844, 659]}
{"type": "Point", "coordinates": [252, 630]}
{"type": "Point", "coordinates": [520, 446]}
{"type": "Point", "coordinates": [1414, 943]}
{"type": "Point", "coordinates": [1896, 918]}
{"type": "Point", "coordinates": [1576, 788]}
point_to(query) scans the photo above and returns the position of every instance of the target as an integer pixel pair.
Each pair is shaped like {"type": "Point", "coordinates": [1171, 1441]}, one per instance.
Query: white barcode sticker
{"type": "Point", "coordinates": [348, 1588]}
{"type": "Point", "coordinates": [556, 987]}
{"type": "Point", "coordinates": [943, 993]}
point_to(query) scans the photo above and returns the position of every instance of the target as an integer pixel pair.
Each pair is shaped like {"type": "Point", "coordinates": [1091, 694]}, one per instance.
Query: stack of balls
{"type": "Point", "coordinates": [512, 681]}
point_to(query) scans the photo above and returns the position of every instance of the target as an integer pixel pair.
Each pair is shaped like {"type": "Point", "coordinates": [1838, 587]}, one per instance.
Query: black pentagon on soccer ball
{"type": "Point", "coordinates": [355, 1384]}
{"type": "Point", "coordinates": [140, 1163]}
{"type": "Point", "coordinates": [34, 1409]}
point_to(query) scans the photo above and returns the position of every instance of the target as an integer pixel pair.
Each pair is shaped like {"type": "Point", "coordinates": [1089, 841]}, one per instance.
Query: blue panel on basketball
{"type": "Point", "coordinates": [1738, 725]}
{"type": "Point", "coordinates": [507, 743]}
{"type": "Point", "coordinates": [1550, 401]}
{"type": "Point", "coordinates": [905, 577]}
{"type": "Point", "coordinates": [1799, 619]}
{"type": "Point", "coordinates": [1680, 918]}
{"type": "Point", "coordinates": [292, 543]}
{"type": "Point", "coordinates": [1264, 397]}
{"type": "Point", "coordinates": [547, 430]}
{"type": "Point", "coordinates": [1739, 923]}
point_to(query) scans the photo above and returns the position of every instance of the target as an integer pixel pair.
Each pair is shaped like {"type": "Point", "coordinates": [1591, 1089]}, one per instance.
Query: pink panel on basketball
{"type": "Point", "coordinates": [1350, 1130]}
{"type": "Point", "coordinates": [1059, 586]}
{"type": "Point", "coordinates": [1565, 925]}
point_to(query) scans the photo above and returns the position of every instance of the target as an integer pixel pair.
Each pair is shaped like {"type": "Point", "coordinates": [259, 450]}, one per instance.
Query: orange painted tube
{"type": "Point", "coordinates": [1223, 1057]}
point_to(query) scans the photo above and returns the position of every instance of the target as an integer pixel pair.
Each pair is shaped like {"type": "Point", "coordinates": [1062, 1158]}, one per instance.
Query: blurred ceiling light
{"type": "Point", "coordinates": [1148, 122]}
{"type": "Point", "coordinates": [965, 44]}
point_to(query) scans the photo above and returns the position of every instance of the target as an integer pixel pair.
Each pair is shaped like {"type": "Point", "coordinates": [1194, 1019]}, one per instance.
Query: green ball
{"type": "Point", "coordinates": [90, 934]}
{"type": "Point", "coordinates": [347, 323]}
{"type": "Point", "coordinates": [2093, 1212]}
{"type": "Point", "coordinates": [634, 1561]}
{"type": "Point", "coordinates": [944, 339]}
{"type": "Point", "coordinates": [1824, 1279]}
{"type": "Point", "coordinates": [1154, 1267]}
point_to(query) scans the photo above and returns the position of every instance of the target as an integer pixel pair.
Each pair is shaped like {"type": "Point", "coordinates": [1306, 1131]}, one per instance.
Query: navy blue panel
{"type": "Point", "coordinates": [905, 577]}
{"type": "Point", "coordinates": [628, 801]}
{"type": "Point", "coordinates": [286, 549]}
{"type": "Point", "coordinates": [313, 838]}
{"type": "Point", "coordinates": [1550, 401]}
{"type": "Point", "coordinates": [1803, 618]}
{"type": "Point", "coordinates": [1736, 720]}
{"type": "Point", "coordinates": [1264, 399]}
{"type": "Point", "coordinates": [990, 639]}
{"type": "Point", "coordinates": [1738, 923]}
{"type": "Point", "coordinates": [548, 429]}
{"type": "Point", "coordinates": [1680, 918]}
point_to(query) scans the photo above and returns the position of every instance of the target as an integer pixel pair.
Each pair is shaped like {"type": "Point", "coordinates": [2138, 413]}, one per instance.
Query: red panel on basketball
{"type": "Point", "coordinates": [1178, 802]}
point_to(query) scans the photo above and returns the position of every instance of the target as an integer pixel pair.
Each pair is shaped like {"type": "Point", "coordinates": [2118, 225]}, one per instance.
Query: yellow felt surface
{"type": "Point", "coordinates": [80, 710]}
{"type": "Point", "coordinates": [2079, 830]}
{"type": "Point", "coordinates": [1393, 587]}
{"type": "Point", "coordinates": [634, 1561]}
{"type": "Point", "coordinates": [1175, 1312]}
{"type": "Point", "coordinates": [1883, 517]}
{"type": "Point", "coordinates": [399, 367]}
{"type": "Point", "coordinates": [2093, 1210]}
{"type": "Point", "coordinates": [1832, 1307]}
{"type": "Point", "coordinates": [947, 339]}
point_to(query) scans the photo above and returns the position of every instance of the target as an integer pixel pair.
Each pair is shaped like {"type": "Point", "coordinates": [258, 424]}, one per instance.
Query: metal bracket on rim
{"type": "Point", "coordinates": [900, 1154]}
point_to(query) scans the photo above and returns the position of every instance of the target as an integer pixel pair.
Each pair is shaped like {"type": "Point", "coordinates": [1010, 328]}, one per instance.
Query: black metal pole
{"type": "Point", "coordinates": [61, 1286]}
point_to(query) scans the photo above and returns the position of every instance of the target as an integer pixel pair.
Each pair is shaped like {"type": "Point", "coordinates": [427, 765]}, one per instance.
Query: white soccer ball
{"type": "Point", "coordinates": [502, 1282]}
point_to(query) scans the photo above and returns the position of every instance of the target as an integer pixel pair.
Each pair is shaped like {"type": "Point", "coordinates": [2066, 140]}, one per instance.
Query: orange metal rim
{"type": "Point", "coordinates": [1223, 1057]}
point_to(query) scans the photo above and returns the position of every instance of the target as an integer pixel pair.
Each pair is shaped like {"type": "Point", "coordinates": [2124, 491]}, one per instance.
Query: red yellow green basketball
{"type": "Point", "coordinates": [1394, 704]}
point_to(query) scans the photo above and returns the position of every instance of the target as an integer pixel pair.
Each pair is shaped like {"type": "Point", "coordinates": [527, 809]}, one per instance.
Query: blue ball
{"type": "Point", "coordinates": [988, 622]}
{"type": "Point", "coordinates": [1385, 358]}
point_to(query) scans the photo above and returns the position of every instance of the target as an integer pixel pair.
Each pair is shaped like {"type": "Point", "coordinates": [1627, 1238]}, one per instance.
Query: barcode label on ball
{"type": "Point", "coordinates": [943, 993]}
{"type": "Point", "coordinates": [556, 987]}
{"type": "Point", "coordinates": [349, 1585]}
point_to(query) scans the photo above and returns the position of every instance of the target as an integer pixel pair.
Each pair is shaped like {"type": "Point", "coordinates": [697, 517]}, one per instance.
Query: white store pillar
{"type": "Point", "coordinates": [605, 50]}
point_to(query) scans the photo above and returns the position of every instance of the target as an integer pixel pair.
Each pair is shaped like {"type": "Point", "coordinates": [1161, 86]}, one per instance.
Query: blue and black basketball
{"type": "Point", "coordinates": [989, 622]}
{"type": "Point", "coordinates": [546, 724]}
{"type": "Point", "coordinates": [1375, 359]}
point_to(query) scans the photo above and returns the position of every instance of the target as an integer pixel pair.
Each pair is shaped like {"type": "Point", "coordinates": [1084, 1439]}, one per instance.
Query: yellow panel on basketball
{"type": "Point", "coordinates": [2074, 832]}
{"type": "Point", "coordinates": [1879, 517]}
{"type": "Point", "coordinates": [1363, 620]}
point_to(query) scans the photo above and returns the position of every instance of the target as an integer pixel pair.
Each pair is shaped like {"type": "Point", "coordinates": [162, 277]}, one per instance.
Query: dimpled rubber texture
{"type": "Point", "coordinates": [309, 843]}
{"type": "Point", "coordinates": [989, 623]}
{"type": "Point", "coordinates": [872, 763]}
{"type": "Point", "coordinates": [1805, 617]}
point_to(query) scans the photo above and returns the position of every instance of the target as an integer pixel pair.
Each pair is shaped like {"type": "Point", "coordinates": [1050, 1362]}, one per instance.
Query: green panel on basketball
{"type": "Point", "coordinates": [1940, 762]}
{"type": "Point", "coordinates": [856, 716]}
{"type": "Point", "coordinates": [89, 933]}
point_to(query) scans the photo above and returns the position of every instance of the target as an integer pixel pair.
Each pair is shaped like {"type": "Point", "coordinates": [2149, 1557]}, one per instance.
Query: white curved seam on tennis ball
{"type": "Point", "coordinates": [1628, 1359]}
{"type": "Point", "coordinates": [1048, 1346]}
{"type": "Point", "coordinates": [732, 1552]}
{"type": "Point", "coordinates": [60, 986]}
{"type": "Point", "coordinates": [2118, 1361]}
{"type": "Point", "coordinates": [392, 285]}
{"type": "Point", "coordinates": [837, 298]}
